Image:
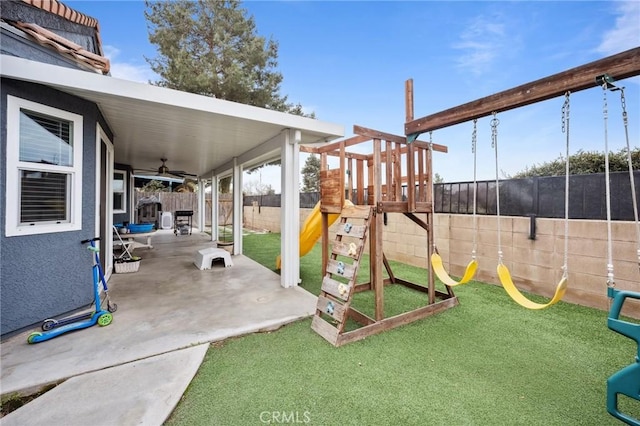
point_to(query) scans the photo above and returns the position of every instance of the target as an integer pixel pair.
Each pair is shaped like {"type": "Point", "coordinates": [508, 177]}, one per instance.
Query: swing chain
{"type": "Point", "coordinates": [474, 140]}
{"type": "Point", "coordinates": [430, 152]}
{"type": "Point", "coordinates": [605, 113]}
{"type": "Point", "coordinates": [625, 120]}
{"type": "Point", "coordinates": [605, 110]}
{"type": "Point", "coordinates": [474, 136]}
{"type": "Point", "coordinates": [565, 130]}
{"type": "Point", "coordinates": [623, 101]}
{"type": "Point", "coordinates": [494, 129]}
{"type": "Point", "coordinates": [611, 282]}
{"type": "Point", "coordinates": [565, 111]}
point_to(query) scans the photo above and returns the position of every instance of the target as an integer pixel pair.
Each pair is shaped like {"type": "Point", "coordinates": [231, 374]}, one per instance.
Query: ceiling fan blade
{"type": "Point", "coordinates": [181, 173]}
{"type": "Point", "coordinates": [163, 171]}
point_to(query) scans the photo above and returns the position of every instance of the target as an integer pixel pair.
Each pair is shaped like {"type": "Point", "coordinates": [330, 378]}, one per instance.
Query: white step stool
{"type": "Point", "coordinates": [204, 257]}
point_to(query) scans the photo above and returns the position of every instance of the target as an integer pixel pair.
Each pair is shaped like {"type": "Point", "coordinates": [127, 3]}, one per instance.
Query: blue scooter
{"type": "Point", "coordinates": [54, 328]}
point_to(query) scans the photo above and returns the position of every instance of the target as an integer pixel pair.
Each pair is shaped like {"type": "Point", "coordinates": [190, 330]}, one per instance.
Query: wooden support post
{"type": "Point", "coordinates": [421, 177]}
{"type": "Point", "coordinates": [376, 234]}
{"type": "Point", "coordinates": [408, 99]}
{"type": "Point", "coordinates": [388, 168]}
{"type": "Point", "coordinates": [411, 179]}
{"type": "Point", "coordinates": [371, 198]}
{"type": "Point", "coordinates": [411, 171]}
{"type": "Point", "coordinates": [360, 182]}
{"type": "Point", "coordinates": [350, 179]}
{"type": "Point", "coordinates": [397, 172]}
{"type": "Point", "coordinates": [430, 219]}
{"type": "Point", "coordinates": [325, 242]}
{"type": "Point", "coordinates": [325, 220]}
{"type": "Point", "coordinates": [342, 173]}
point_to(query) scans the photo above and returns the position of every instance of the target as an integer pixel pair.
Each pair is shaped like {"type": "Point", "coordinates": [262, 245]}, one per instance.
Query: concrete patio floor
{"type": "Point", "coordinates": [166, 306]}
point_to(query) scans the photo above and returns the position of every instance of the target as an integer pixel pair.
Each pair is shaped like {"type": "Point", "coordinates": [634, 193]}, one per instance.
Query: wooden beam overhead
{"type": "Point", "coordinates": [619, 67]}
{"type": "Point", "coordinates": [375, 134]}
{"type": "Point", "coordinates": [335, 151]}
{"type": "Point", "coordinates": [354, 140]}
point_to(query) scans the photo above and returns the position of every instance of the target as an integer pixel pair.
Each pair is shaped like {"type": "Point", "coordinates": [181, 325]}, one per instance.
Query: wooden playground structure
{"type": "Point", "coordinates": [399, 162]}
{"type": "Point", "coordinates": [393, 165]}
{"type": "Point", "coordinates": [396, 178]}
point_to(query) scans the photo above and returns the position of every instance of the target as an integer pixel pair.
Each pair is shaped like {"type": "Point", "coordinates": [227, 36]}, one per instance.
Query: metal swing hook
{"type": "Point", "coordinates": [605, 80]}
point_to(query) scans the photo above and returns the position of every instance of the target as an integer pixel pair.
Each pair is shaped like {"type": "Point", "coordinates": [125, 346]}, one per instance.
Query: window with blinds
{"type": "Point", "coordinates": [44, 194]}
{"type": "Point", "coordinates": [44, 197]}
{"type": "Point", "coordinates": [44, 165]}
{"type": "Point", "coordinates": [45, 140]}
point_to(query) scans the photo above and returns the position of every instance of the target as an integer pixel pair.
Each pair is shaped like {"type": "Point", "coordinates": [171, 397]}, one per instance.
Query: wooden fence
{"type": "Point", "coordinates": [173, 201]}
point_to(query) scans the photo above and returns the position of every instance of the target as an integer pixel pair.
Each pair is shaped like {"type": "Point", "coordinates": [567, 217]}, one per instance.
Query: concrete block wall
{"type": "Point", "coordinates": [535, 265]}
{"type": "Point", "coordinates": [269, 218]}
{"type": "Point", "coordinates": [263, 218]}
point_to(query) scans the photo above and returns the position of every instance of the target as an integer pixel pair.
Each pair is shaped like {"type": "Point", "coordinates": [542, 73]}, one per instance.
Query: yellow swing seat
{"type": "Point", "coordinates": [519, 298]}
{"type": "Point", "coordinates": [441, 273]}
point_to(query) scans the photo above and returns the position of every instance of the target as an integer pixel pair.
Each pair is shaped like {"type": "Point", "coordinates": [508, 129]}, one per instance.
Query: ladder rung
{"type": "Point", "coordinates": [358, 212]}
{"type": "Point", "coordinates": [342, 249]}
{"type": "Point", "coordinates": [341, 269]}
{"type": "Point", "coordinates": [356, 231]}
{"type": "Point", "coordinates": [333, 308]}
{"type": "Point", "coordinates": [325, 329]}
{"type": "Point", "coordinates": [333, 287]}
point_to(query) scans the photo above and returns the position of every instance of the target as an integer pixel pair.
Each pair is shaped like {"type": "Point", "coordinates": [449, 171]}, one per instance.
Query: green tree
{"type": "Point", "coordinates": [154, 186]}
{"type": "Point", "coordinates": [211, 47]}
{"type": "Point", "coordinates": [584, 162]}
{"type": "Point", "coordinates": [311, 174]}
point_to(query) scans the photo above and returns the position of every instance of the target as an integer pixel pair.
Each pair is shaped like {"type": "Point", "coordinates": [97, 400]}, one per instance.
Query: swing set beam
{"type": "Point", "coordinates": [620, 66]}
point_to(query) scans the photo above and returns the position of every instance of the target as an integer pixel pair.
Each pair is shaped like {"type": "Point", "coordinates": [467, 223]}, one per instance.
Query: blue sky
{"type": "Point", "coordinates": [348, 61]}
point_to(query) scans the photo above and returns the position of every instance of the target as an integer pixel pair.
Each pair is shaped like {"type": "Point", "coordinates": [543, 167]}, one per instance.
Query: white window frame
{"type": "Point", "coordinates": [124, 191]}
{"type": "Point", "coordinates": [14, 166]}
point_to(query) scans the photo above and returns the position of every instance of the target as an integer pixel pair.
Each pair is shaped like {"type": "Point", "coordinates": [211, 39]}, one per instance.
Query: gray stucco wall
{"type": "Point", "coordinates": [43, 276]}
{"type": "Point", "coordinates": [15, 44]}
{"type": "Point", "coordinates": [80, 34]}
{"type": "Point", "coordinates": [125, 217]}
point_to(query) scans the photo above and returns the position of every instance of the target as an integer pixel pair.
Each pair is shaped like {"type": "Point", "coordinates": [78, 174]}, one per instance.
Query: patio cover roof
{"type": "Point", "coordinates": [197, 134]}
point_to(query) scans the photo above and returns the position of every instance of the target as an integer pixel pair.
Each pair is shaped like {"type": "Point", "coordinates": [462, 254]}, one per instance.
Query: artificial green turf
{"type": "Point", "coordinates": [484, 362]}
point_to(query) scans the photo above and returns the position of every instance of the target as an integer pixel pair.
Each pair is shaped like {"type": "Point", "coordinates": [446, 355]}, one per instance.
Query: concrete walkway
{"type": "Point", "coordinates": [135, 370]}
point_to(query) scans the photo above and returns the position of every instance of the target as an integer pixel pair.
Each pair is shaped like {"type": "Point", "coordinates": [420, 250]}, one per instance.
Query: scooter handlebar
{"type": "Point", "coordinates": [89, 240]}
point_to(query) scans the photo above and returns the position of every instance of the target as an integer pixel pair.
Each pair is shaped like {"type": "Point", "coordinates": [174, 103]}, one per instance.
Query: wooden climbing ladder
{"type": "Point", "coordinates": [339, 281]}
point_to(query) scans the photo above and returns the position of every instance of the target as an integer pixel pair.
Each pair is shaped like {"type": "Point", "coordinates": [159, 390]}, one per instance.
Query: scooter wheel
{"type": "Point", "coordinates": [105, 319]}
{"type": "Point", "coordinates": [49, 324]}
{"type": "Point", "coordinates": [112, 307]}
{"type": "Point", "coordinates": [32, 336]}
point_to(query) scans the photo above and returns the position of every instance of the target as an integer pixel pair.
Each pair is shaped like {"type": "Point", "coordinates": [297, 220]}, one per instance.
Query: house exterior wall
{"type": "Point", "coordinates": [15, 44]}
{"type": "Point", "coordinates": [46, 275]}
{"type": "Point", "coordinates": [80, 34]}
{"type": "Point", "coordinates": [535, 265]}
{"type": "Point", "coordinates": [129, 190]}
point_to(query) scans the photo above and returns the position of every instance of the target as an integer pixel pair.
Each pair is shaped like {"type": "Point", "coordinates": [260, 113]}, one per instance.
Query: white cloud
{"type": "Point", "coordinates": [481, 42]}
{"type": "Point", "coordinates": [626, 32]}
{"type": "Point", "coordinates": [127, 71]}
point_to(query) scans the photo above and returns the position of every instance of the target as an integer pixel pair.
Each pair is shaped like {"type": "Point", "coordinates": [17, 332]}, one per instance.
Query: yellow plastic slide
{"type": "Point", "coordinates": [312, 230]}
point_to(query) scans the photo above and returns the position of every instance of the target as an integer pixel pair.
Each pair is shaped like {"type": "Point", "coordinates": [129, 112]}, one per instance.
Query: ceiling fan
{"type": "Point", "coordinates": [164, 171]}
